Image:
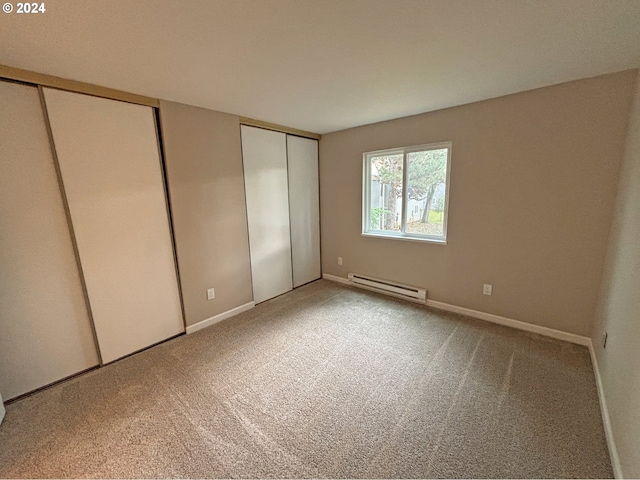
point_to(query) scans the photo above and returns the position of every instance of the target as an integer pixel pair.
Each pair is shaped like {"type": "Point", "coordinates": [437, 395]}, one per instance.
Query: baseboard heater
{"type": "Point", "coordinates": [394, 289]}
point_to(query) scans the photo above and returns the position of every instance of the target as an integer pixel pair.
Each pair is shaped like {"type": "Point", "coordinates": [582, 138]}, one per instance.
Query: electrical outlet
{"type": "Point", "coordinates": [487, 289]}
{"type": "Point", "coordinates": [339, 260]}
{"type": "Point", "coordinates": [605, 335]}
{"type": "Point", "coordinates": [211, 293]}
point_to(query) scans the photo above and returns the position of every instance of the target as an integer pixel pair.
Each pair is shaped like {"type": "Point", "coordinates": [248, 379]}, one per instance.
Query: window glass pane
{"type": "Point", "coordinates": [426, 184]}
{"type": "Point", "coordinates": [385, 187]}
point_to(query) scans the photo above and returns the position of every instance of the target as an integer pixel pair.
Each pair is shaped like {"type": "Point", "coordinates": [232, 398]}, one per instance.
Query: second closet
{"type": "Point", "coordinates": [281, 185]}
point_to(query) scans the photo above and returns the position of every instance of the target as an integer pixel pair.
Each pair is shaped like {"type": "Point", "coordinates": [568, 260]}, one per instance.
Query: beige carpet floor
{"type": "Point", "coordinates": [325, 381]}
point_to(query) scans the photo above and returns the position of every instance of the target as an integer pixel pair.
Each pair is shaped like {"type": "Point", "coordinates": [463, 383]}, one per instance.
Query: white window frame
{"type": "Point", "coordinates": [366, 195]}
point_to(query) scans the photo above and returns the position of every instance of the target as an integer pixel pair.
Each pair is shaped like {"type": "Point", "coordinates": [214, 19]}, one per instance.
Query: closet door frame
{"type": "Point", "coordinates": [114, 95]}
{"type": "Point", "coordinates": [301, 277]}
{"type": "Point", "coordinates": [167, 205]}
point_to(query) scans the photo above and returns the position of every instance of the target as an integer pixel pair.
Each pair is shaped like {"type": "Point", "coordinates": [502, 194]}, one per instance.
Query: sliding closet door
{"type": "Point", "coordinates": [111, 171]}
{"type": "Point", "coordinates": [304, 207]}
{"type": "Point", "coordinates": [45, 332]}
{"type": "Point", "coordinates": [264, 155]}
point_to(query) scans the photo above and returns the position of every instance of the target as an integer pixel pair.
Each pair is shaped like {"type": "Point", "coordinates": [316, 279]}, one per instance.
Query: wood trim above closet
{"type": "Point", "coordinates": [27, 76]}
{"type": "Point", "coordinates": [278, 128]}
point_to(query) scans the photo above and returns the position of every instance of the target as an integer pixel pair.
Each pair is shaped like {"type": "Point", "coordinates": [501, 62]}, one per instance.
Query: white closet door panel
{"type": "Point", "coordinates": [264, 155]}
{"type": "Point", "coordinates": [45, 332]}
{"type": "Point", "coordinates": [304, 207]}
{"type": "Point", "coordinates": [110, 164]}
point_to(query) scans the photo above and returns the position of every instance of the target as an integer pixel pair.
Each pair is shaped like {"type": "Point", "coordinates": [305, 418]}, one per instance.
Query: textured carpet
{"type": "Point", "coordinates": [325, 381]}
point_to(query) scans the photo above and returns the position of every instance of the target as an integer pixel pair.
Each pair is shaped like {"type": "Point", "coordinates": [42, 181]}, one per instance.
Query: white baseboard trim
{"type": "Point", "coordinates": [333, 278]}
{"type": "Point", "coordinates": [489, 317]}
{"type": "Point", "coordinates": [606, 420]}
{"type": "Point", "coordinates": [220, 317]}
{"type": "Point", "coordinates": [510, 322]}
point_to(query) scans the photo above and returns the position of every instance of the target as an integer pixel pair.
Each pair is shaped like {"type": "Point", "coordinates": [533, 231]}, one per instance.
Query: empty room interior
{"type": "Point", "coordinates": [320, 239]}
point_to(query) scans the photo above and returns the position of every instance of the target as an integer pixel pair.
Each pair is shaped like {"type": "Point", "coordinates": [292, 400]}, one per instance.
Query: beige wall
{"type": "Point", "coordinates": [533, 182]}
{"type": "Point", "coordinates": [619, 309]}
{"type": "Point", "coordinates": [206, 188]}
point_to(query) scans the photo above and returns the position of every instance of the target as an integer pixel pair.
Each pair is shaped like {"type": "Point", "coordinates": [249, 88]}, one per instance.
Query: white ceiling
{"type": "Point", "coordinates": [324, 65]}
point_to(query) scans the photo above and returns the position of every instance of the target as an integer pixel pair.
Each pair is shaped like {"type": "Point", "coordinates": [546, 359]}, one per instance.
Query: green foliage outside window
{"type": "Point", "coordinates": [376, 216]}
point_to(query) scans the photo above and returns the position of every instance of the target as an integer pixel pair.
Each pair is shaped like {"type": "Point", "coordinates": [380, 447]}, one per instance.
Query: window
{"type": "Point", "coordinates": [405, 193]}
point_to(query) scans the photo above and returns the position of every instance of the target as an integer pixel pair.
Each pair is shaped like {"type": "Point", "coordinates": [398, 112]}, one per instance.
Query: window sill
{"type": "Point", "coordinates": [437, 241]}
